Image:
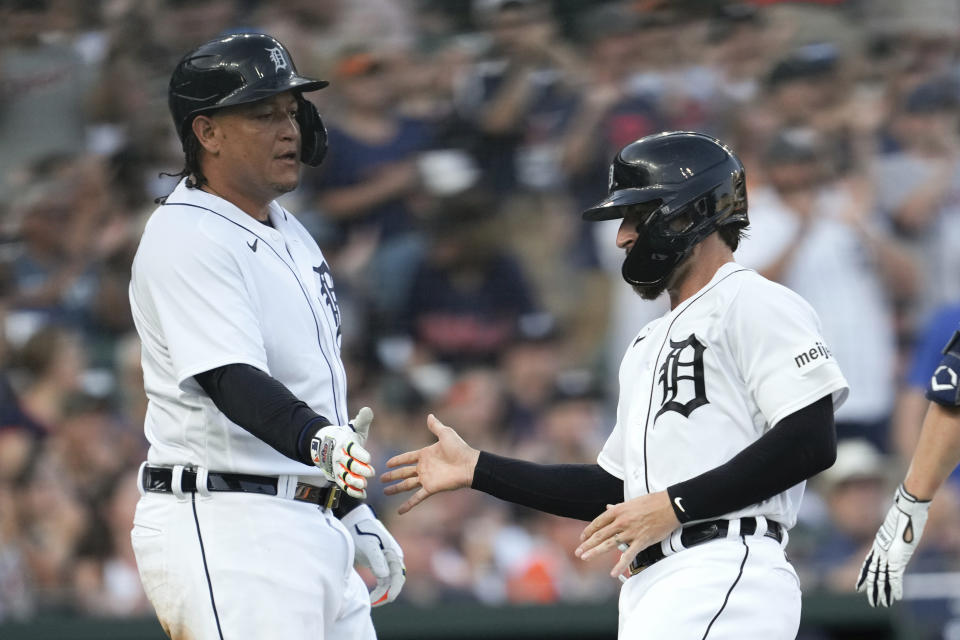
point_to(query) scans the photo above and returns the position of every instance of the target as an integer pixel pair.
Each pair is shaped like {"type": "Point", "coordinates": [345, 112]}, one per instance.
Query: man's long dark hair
{"type": "Point", "coordinates": [191, 165]}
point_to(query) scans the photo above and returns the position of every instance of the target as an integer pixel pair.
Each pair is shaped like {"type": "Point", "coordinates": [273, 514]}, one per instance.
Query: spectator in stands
{"type": "Point", "coordinates": [50, 364]}
{"type": "Point", "coordinates": [319, 30]}
{"type": "Point", "coordinates": [912, 402]}
{"type": "Point", "coordinates": [529, 367]}
{"type": "Point", "coordinates": [571, 425]}
{"type": "Point", "coordinates": [519, 93]}
{"type": "Point", "coordinates": [738, 43]}
{"type": "Point", "coordinates": [919, 186]}
{"type": "Point", "coordinates": [609, 112]}
{"type": "Point", "coordinates": [43, 79]}
{"type": "Point", "coordinates": [372, 171]}
{"type": "Point", "coordinates": [468, 292]}
{"type": "Point", "coordinates": [855, 490]}
{"type": "Point", "coordinates": [821, 238]}
{"type": "Point", "coordinates": [105, 577]}
{"type": "Point", "coordinates": [50, 278]}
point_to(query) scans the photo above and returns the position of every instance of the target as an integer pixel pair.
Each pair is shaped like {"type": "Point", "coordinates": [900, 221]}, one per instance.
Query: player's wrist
{"type": "Point", "coordinates": [675, 497]}
{"type": "Point", "coordinates": [470, 468]}
{"type": "Point", "coordinates": [307, 433]}
{"type": "Point", "coordinates": [917, 490]}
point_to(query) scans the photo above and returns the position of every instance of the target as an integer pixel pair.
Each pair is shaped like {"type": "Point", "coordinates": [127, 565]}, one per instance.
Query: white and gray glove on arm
{"type": "Point", "coordinates": [881, 576]}
{"type": "Point", "coordinates": [338, 451]}
{"type": "Point", "coordinates": [378, 551]}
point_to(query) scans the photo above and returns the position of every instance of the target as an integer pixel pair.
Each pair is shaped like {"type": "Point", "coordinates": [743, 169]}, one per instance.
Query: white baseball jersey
{"type": "Point", "coordinates": [706, 380]}
{"type": "Point", "coordinates": [213, 286]}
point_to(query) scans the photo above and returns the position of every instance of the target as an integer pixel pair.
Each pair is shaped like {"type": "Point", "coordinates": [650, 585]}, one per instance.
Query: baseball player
{"type": "Point", "coordinates": [936, 456]}
{"type": "Point", "coordinates": [251, 512]}
{"type": "Point", "coordinates": [726, 407]}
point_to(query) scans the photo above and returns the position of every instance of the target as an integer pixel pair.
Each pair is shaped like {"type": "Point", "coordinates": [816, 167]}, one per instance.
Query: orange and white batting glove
{"type": "Point", "coordinates": [338, 451]}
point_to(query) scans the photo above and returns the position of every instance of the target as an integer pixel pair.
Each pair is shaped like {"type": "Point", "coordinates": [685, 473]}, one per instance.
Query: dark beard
{"type": "Point", "coordinates": [650, 291]}
{"type": "Point", "coordinates": [673, 280]}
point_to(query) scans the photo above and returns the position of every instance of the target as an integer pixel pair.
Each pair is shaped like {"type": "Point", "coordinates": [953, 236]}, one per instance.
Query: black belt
{"type": "Point", "coordinates": [160, 480]}
{"type": "Point", "coordinates": [703, 532]}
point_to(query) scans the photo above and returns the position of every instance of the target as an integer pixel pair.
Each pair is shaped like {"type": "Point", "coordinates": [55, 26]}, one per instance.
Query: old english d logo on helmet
{"type": "Point", "coordinates": [277, 58]}
{"type": "Point", "coordinates": [240, 69]}
{"type": "Point", "coordinates": [678, 175]}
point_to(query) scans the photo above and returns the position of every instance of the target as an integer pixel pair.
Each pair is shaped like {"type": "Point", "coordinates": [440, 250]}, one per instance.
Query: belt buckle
{"type": "Point", "coordinates": [333, 498]}
{"type": "Point", "coordinates": [636, 567]}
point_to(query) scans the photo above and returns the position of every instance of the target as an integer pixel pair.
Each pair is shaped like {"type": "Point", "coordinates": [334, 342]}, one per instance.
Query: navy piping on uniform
{"type": "Point", "coordinates": [653, 380]}
{"type": "Point", "coordinates": [333, 332]}
{"type": "Point", "coordinates": [364, 533]}
{"type": "Point", "coordinates": [333, 376]}
{"type": "Point", "coordinates": [203, 554]}
{"type": "Point", "coordinates": [743, 563]}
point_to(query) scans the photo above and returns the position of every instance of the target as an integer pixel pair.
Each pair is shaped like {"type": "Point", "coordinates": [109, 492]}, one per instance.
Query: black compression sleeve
{"type": "Point", "coordinates": [796, 448]}
{"type": "Point", "coordinates": [263, 406]}
{"type": "Point", "coordinates": [580, 491]}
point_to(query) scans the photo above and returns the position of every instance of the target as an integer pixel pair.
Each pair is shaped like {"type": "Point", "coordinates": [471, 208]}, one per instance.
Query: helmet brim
{"type": "Point", "coordinates": [270, 87]}
{"type": "Point", "coordinates": [611, 207]}
{"type": "Point", "coordinates": [255, 91]}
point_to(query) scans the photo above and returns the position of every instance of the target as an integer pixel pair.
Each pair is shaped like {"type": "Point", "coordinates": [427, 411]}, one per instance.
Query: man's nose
{"type": "Point", "coordinates": [627, 234]}
{"type": "Point", "coordinates": [291, 128]}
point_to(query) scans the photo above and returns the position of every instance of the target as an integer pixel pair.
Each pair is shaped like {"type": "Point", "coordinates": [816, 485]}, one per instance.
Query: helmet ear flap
{"type": "Point", "coordinates": [313, 133]}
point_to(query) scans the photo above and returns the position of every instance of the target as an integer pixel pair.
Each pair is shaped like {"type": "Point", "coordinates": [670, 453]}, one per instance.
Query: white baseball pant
{"type": "Point", "coordinates": [232, 566]}
{"type": "Point", "coordinates": [740, 588]}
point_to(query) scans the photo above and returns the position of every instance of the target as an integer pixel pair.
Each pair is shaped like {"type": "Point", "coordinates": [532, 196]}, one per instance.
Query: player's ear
{"type": "Point", "coordinates": [206, 130]}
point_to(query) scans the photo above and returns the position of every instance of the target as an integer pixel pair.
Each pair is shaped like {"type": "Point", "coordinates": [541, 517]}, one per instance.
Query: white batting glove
{"type": "Point", "coordinates": [881, 576]}
{"type": "Point", "coordinates": [378, 551]}
{"type": "Point", "coordinates": [338, 451]}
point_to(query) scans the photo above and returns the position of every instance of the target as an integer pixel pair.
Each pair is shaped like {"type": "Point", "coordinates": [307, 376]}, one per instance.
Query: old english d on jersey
{"type": "Point", "coordinates": [703, 382]}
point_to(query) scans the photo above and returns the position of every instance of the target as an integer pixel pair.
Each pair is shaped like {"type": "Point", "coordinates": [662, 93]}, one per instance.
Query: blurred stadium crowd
{"type": "Point", "coordinates": [465, 137]}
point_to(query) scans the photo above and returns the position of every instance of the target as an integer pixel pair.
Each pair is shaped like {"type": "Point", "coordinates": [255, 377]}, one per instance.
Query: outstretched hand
{"type": "Point", "coordinates": [445, 465]}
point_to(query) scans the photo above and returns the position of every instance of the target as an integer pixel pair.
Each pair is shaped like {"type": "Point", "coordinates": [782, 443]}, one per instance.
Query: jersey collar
{"type": "Point", "coordinates": [724, 270]}
{"type": "Point", "coordinates": [201, 198]}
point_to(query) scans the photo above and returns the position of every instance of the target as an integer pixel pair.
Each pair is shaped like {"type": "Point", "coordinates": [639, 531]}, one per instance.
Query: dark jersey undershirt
{"type": "Point", "coordinates": [266, 408]}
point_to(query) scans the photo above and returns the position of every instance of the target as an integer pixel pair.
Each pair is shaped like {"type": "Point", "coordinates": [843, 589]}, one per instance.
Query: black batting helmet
{"type": "Point", "coordinates": [687, 184]}
{"type": "Point", "coordinates": [243, 68]}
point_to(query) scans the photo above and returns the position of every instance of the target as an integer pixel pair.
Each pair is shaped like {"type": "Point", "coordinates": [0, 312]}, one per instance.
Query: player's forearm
{"type": "Point", "coordinates": [263, 406]}
{"type": "Point", "coordinates": [937, 453]}
{"type": "Point", "coordinates": [579, 491]}
{"type": "Point", "coordinates": [798, 447]}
